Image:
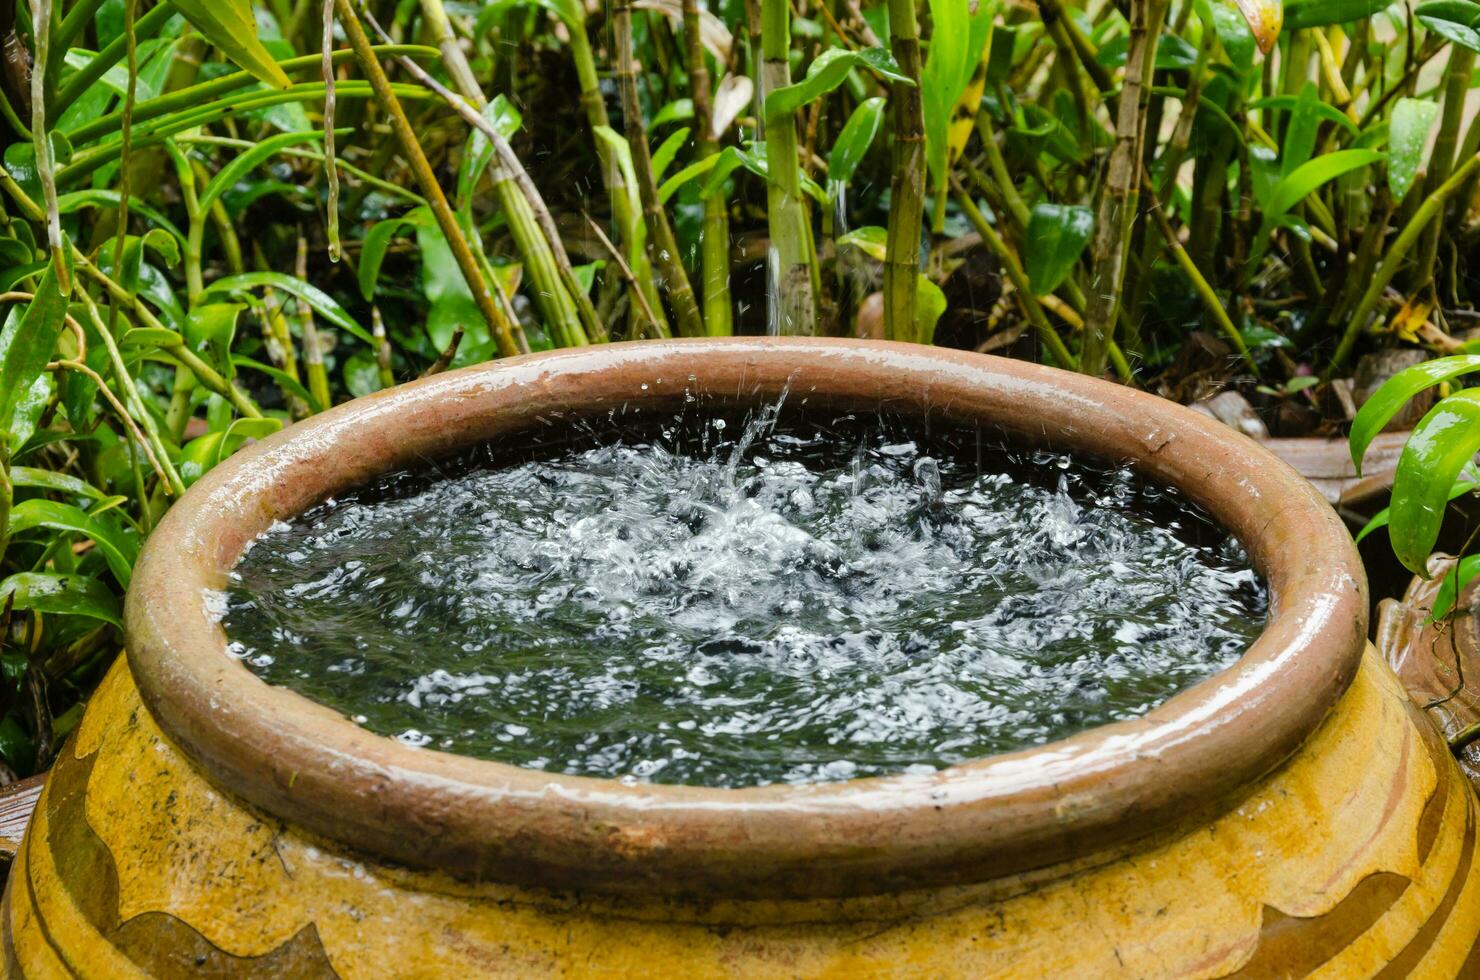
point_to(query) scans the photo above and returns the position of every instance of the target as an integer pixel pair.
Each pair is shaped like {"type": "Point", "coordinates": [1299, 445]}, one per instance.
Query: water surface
{"type": "Point", "coordinates": [731, 604]}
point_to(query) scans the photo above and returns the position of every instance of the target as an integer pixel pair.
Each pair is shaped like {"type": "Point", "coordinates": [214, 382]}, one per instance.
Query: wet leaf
{"type": "Point", "coordinates": [871, 240]}
{"type": "Point", "coordinates": [36, 479]}
{"type": "Point", "coordinates": [1458, 578]}
{"type": "Point", "coordinates": [322, 303]}
{"type": "Point", "coordinates": [231, 27]}
{"type": "Point", "coordinates": [62, 595]}
{"type": "Point", "coordinates": [1057, 234]}
{"type": "Point", "coordinates": [1442, 443]}
{"type": "Point", "coordinates": [26, 345]}
{"type": "Point", "coordinates": [663, 156]}
{"type": "Point", "coordinates": [362, 373]}
{"type": "Point", "coordinates": [117, 549]}
{"type": "Point", "coordinates": [1465, 484]}
{"type": "Point", "coordinates": [857, 136]}
{"type": "Point", "coordinates": [1407, 138]}
{"type": "Point", "coordinates": [1265, 18]}
{"type": "Point", "coordinates": [1301, 14]}
{"type": "Point", "coordinates": [930, 303]}
{"type": "Point", "coordinates": [210, 329]}
{"type": "Point", "coordinates": [1388, 400]}
{"type": "Point", "coordinates": [1457, 21]}
{"type": "Point", "coordinates": [202, 455]}
{"type": "Point", "coordinates": [827, 73]}
{"type": "Point", "coordinates": [373, 248]}
{"type": "Point", "coordinates": [243, 163]}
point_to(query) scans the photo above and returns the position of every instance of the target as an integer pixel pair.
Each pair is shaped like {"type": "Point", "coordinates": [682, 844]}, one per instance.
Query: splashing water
{"type": "Point", "coordinates": [733, 604]}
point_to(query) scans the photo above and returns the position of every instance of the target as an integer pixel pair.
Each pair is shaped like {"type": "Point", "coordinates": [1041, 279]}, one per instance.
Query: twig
{"type": "Point", "coordinates": [626, 273]}
{"type": "Point", "coordinates": [445, 358]}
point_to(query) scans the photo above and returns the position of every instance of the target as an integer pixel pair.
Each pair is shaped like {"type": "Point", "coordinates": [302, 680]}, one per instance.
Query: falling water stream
{"type": "Point", "coordinates": [734, 602]}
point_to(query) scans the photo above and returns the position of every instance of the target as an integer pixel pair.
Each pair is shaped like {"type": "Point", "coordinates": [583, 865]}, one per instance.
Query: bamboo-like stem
{"type": "Point", "coordinates": [280, 350]}
{"type": "Point", "coordinates": [1117, 211]}
{"type": "Point", "coordinates": [131, 395]}
{"type": "Point", "coordinates": [1441, 160]}
{"type": "Point", "coordinates": [331, 172]}
{"type": "Point", "coordinates": [1205, 292]}
{"type": "Point", "coordinates": [907, 187]}
{"type": "Point", "coordinates": [626, 272]}
{"type": "Point", "coordinates": [1014, 268]}
{"type": "Point", "coordinates": [382, 348]}
{"type": "Point", "coordinates": [628, 219]}
{"type": "Point", "coordinates": [207, 93]}
{"type": "Point", "coordinates": [714, 246]}
{"type": "Point", "coordinates": [308, 335]}
{"type": "Point", "coordinates": [561, 297]}
{"type": "Point", "coordinates": [436, 199]}
{"type": "Point", "coordinates": [795, 298]}
{"type": "Point", "coordinates": [661, 243]}
{"type": "Point", "coordinates": [41, 139]}
{"type": "Point", "coordinates": [1431, 208]}
{"type": "Point", "coordinates": [453, 59]}
{"type": "Point", "coordinates": [86, 77]}
{"type": "Point", "coordinates": [204, 373]}
{"type": "Point", "coordinates": [120, 240]}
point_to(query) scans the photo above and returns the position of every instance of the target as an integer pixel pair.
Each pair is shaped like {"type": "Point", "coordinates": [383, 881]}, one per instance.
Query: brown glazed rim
{"type": "Point", "coordinates": [1002, 815]}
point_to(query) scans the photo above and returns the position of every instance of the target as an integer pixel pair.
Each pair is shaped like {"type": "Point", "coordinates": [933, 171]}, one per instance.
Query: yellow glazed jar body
{"type": "Point", "coordinates": [1355, 858]}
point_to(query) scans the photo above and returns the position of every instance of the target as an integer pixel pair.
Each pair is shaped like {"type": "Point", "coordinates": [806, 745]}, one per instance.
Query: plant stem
{"type": "Point", "coordinates": [107, 58]}
{"type": "Point", "coordinates": [1456, 90]}
{"type": "Point", "coordinates": [628, 218]}
{"type": "Point", "coordinates": [907, 186]}
{"type": "Point", "coordinates": [436, 199]}
{"type": "Point", "coordinates": [1014, 268]}
{"type": "Point", "coordinates": [1200, 285]}
{"type": "Point", "coordinates": [313, 349]}
{"type": "Point", "coordinates": [1431, 208]}
{"type": "Point", "coordinates": [714, 254]}
{"type": "Point", "coordinates": [1117, 210]}
{"type": "Point", "coordinates": [662, 245]}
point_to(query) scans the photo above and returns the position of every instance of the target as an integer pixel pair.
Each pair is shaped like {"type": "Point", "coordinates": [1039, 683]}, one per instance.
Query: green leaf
{"type": "Point", "coordinates": [1233, 33]}
{"type": "Point", "coordinates": [283, 378]}
{"type": "Point", "coordinates": [26, 345]}
{"type": "Point", "coordinates": [946, 71]}
{"type": "Point", "coordinates": [243, 163]}
{"type": "Point", "coordinates": [664, 154]}
{"type": "Point", "coordinates": [694, 170]}
{"type": "Point", "coordinates": [1459, 577]}
{"type": "Point", "coordinates": [372, 251]}
{"type": "Point", "coordinates": [930, 303]}
{"type": "Point", "coordinates": [853, 142]}
{"type": "Point", "coordinates": [25, 476]}
{"type": "Point", "coordinates": [1380, 519]}
{"type": "Point", "coordinates": [28, 411]}
{"type": "Point", "coordinates": [1300, 183]}
{"type": "Point", "coordinates": [232, 28]}
{"type": "Point", "coordinates": [62, 595]}
{"type": "Point", "coordinates": [827, 73]}
{"type": "Point", "coordinates": [871, 240]}
{"type": "Point", "coordinates": [1457, 21]}
{"type": "Point", "coordinates": [1328, 113]}
{"type": "Point", "coordinates": [151, 337]}
{"type": "Point", "coordinates": [675, 111]}
{"type": "Point", "coordinates": [1300, 14]}
{"type": "Point", "coordinates": [1387, 401]}
{"type": "Point", "coordinates": [362, 373]}
{"type": "Point", "coordinates": [118, 550]}
{"type": "Point", "coordinates": [202, 455]}
{"type": "Point", "coordinates": [1057, 234]}
{"type": "Point", "coordinates": [210, 328]}
{"type": "Point", "coordinates": [505, 120]}
{"type": "Point", "coordinates": [108, 200]}
{"type": "Point", "coordinates": [1408, 136]}
{"type": "Point", "coordinates": [321, 302]}
{"type": "Point", "coordinates": [1300, 135]}
{"type": "Point", "coordinates": [1442, 443]}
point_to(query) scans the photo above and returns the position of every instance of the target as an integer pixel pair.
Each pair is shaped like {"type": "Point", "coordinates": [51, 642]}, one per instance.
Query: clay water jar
{"type": "Point", "coordinates": [1290, 814]}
